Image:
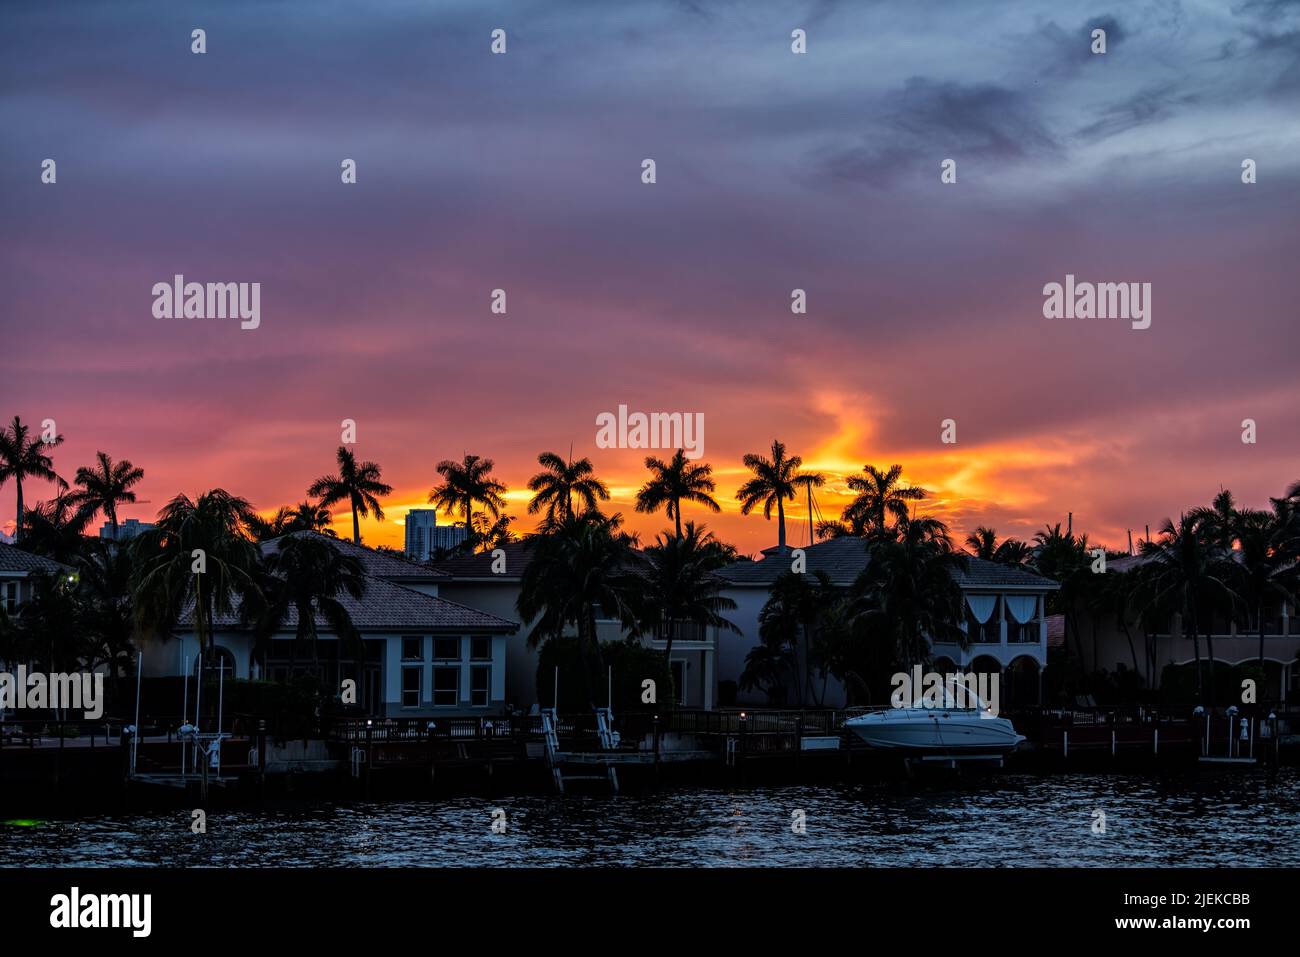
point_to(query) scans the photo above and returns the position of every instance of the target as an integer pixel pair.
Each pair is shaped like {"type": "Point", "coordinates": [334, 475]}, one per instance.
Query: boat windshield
{"type": "Point", "coordinates": [953, 696]}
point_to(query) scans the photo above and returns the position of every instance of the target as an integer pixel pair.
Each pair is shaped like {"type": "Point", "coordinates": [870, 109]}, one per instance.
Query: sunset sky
{"type": "Point", "coordinates": [775, 171]}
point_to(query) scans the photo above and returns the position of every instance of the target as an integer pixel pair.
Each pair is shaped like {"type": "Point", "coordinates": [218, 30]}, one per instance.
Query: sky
{"type": "Point", "coordinates": [775, 171]}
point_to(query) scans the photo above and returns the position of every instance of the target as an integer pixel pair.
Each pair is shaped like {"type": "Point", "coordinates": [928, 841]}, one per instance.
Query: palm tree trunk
{"type": "Point", "coordinates": [668, 653]}
{"type": "Point", "coordinates": [1209, 647]}
{"type": "Point", "coordinates": [356, 526]}
{"type": "Point", "coordinates": [1196, 649]}
{"type": "Point", "coordinates": [1259, 618]}
{"type": "Point", "coordinates": [780, 524]}
{"type": "Point", "coordinates": [18, 532]}
{"type": "Point", "coordinates": [677, 514]}
{"type": "Point", "coordinates": [1132, 648]}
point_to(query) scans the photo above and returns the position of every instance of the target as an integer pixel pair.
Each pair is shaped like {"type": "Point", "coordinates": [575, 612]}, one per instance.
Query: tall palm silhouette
{"type": "Point", "coordinates": [358, 484]}
{"type": "Point", "coordinates": [465, 483]}
{"type": "Point", "coordinates": [307, 575]}
{"type": "Point", "coordinates": [1189, 577]}
{"type": "Point", "coordinates": [23, 457]}
{"type": "Point", "coordinates": [1267, 573]}
{"type": "Point", "coordinates": [104, 486]}
{"type": "Point", "coordinates": [582, 568]}
{"type": "Point", "coordinates": [880, 497]}
{"type": "Point", "coordinates": [909, 589]}
{"type": "Point", "coordinates": [166, 582]}
{"type": "Point", "coordinates": [772, 485]}
{"type": "Point", "coordinates": [681, 586]}
{"type": "Point", "coordinates": [559, 481]}
{"type": "Point", "coordinates": [673, 482]}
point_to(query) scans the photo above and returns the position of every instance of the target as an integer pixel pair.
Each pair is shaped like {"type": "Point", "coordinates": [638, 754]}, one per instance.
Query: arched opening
{"type": "Point", "coordinates": [1023, 685]}
{"type": "Point", "coordinates": [944, 665]}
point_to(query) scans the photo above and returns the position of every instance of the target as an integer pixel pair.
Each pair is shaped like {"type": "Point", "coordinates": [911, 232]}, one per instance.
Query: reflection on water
{"type": "Point", "coordinates": [1242, 819]}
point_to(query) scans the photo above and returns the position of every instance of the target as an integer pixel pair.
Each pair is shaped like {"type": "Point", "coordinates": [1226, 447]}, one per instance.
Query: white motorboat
{"type": "Point", "coordinates": [937, 730]}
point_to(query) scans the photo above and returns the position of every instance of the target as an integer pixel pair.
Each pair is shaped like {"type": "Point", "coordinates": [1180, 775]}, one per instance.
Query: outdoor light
{"type": "Point", "coordinates": [742, 716]}
{"type": "Point", "coordinates": [369, 722]}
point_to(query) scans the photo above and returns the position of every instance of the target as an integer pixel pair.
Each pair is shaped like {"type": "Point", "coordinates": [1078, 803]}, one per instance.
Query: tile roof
{"type": "Point", "coordinates": [479, 565]}
{"type": "Point", "coordinates": [14, 559]}
{"type": "Point", "coordinates": [844, 558]}
{"type": "Point", "coordinates": [375, 563]}
{"type": "Point", "coordinates": [386, 606]}
{"type": "Point", "coordinates": [981, 573]}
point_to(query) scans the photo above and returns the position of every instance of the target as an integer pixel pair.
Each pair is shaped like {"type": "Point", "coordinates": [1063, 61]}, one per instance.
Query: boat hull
{"type": "Point", "coordinates": [935, 731]}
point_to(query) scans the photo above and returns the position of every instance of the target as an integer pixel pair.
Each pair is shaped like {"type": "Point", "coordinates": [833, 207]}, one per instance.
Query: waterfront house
{"type": "Point", "coordinates": [492, 583]}
{"type": "Point", "coordinates": [18, 569]}
{"type": "Point", "coordinates": [424, 655]}
{"type": "Point", "coordinates": [1005, 622]}
{"type": "Point", "coordinates": [1107, 644]}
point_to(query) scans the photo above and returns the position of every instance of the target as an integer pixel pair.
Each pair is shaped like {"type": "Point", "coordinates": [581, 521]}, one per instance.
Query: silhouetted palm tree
{"type": "Point", "coordinates": [306, 575]}
{"type": "Point", "coordinates": [358, 484]}
{"type": "Point", "coordinates": [105, 486]}
{"type": "Point", "coordinates": [582, 568]}
{"type": "Point", "coordinates": [303, 517]}
{"type": "Point", "coordinates": [1189, 576]}
{"type": "Point", "coordinates": [880, 497]}
{"type": "Point", "coordinates": [772, 485]}
{"type": "Point", "coordinates": [681, 586]}
{"type": "Point", "coordinates": [55, 529]}
{"type": "Point", "coordinates": [465, 483]}
{"type": "Point", "coordinates": [909, 588]}
{"type": "Point", "coordinates": [676, 481]}
{"type": "Point", "coordinates": [22, 458]}
{"type": "Point", "coordinates": [209, 533]}
{"type": "Point", "coordinates": [983, 543]}
{"type": "Point", "coordinates": [560, 480]}
{"type": "Point", "coordinates": [491, 533]}
{"type": "Point", "coordinates": [795, 607]}
{"type": "Point", "coordinates": [104, 582]}
{"type": "Point", "coordinates": [1266, 574]}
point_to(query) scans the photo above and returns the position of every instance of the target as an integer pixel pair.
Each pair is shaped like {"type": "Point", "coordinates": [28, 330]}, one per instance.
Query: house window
{"type": "Point", "coordinates": [10, 596]}
{"type": "Point", "coordinates": [412, 682]}
{"type": "Point", "coordinates": [446, 687]}
{"type": "Point", "coordinates": [446, 649]}
{"type": "Point", "coordinates": [480, 685]}
{"type": "Point", "coordinates": [481, 648]}
{"type": "Point", "coordinates": [412, 649]}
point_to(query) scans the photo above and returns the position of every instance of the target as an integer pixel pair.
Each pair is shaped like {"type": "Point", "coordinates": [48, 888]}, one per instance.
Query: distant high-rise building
{"type": "Point", "coordinates": [126, 530]}
{"type": "Point", "coordinates": [424, 536]}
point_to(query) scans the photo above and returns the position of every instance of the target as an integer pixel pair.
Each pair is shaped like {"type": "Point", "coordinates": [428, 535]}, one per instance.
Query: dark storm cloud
{"type": "Point", "coordinates": [928, 121]}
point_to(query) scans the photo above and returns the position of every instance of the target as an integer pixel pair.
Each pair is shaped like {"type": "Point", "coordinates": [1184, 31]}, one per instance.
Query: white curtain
{"type": "Point", "coordinates": [981, 606]}
{"type": "Point", "coordinates": [1022, 607]}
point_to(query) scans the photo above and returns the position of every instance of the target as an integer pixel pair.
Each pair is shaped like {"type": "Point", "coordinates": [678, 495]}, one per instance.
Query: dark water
{"type": "Point", "coordinates": [1242, 819]}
